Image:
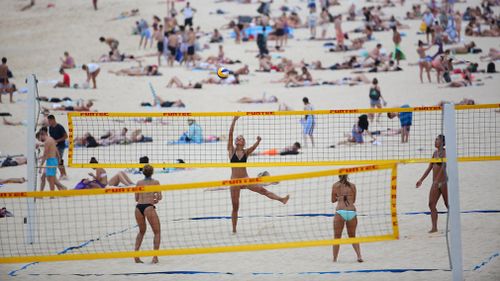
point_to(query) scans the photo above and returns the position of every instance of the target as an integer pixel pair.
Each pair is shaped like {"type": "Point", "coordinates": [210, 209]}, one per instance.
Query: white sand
{"type": "Point", "coordinates": [34, 40]}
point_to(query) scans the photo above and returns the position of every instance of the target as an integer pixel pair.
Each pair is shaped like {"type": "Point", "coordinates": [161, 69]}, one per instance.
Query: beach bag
{"type": "Point", "coordinates": [491, 68]}
{"type": "Point", "coordinates": [446, 77]}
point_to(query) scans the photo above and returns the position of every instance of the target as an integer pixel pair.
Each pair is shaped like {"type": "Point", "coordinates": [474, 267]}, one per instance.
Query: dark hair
{"type": "Point", "coordinates": [41, 131]}
{"type": "Point", "coordinates": [143, 160]}
{"type": "Point", "coordinates": [61, 70]}
{"type": "Point", "coordinates": [4, 60]}
{"type": "Point", "coordinates": [102, 39]}
{"type": "Point", "coordinates": [344, 179]}
{"type": "Point", "coordinates": [93, 160]}
{"type": "Point", "coordinates": [363, 122]}
{"type": "Point", "coordinates": [297, 144]}
{"type": "Point", "coordinates": [305, 99]}
{"type": "Point", "coordinates": [443, 139]}
{"type": "Point", "coordinates": [51, 117]}
{"type": "Point", "coordinates": [491, 68]}
{"type": "Point", "coordinates": [375, 81]}
{"type": "Point", "coordinates": [379, 45]}
{"type": "Point", "coordinates": [420, 43]}
{"type": "Point", "coordinates": [148, 170]}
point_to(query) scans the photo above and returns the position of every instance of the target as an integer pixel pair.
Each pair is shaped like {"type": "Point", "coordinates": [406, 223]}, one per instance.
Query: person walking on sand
{"type": "Point", "coordinates": [376, 98]}
{"type": "Point", "coordinates": [424, 62]}
{"type": "Point", "coordinates": [5, 86]}
{"type": "Point", "coordinates": [50, 159]}
{"type": "Point", "coordinates": [439, 186]}
{"type": "Point", "coordinates": [397, 55]}
{"type": "Point", "coordinates": [308, 122]}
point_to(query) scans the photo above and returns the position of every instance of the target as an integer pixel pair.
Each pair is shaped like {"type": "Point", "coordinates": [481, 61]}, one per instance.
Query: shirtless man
{"type": "Point", "coordinates": [375, 53]}
{"type": "Point", "coordinates": [191, 40]}
{"type": "Point", "coordinates": [5, 86]}
{"type": "Point", "coordinates": [112, 43]}
{"type": "Point", "coordinates": [50, 158]}
{"type": "Point", "coordinates": [280, 33]}
{"type": "Point", "coordinates": [159, 36]}
{"type": "Point", "coordinates": [173, 44]}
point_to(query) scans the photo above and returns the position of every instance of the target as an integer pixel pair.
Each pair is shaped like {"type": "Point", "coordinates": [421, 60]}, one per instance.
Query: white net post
{"type": "Point", "coordinates": [453, 192]}
{"type": "Point", "coordinates": [31, 157]}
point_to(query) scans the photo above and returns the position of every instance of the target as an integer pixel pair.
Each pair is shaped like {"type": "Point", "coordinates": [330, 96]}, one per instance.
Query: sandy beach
{"type": "Point", "coordinates": [34, 40]}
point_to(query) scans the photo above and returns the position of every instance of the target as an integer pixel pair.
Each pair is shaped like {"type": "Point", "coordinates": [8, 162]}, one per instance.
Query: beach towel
{"type": "Point", "coordinates": [398, 54]}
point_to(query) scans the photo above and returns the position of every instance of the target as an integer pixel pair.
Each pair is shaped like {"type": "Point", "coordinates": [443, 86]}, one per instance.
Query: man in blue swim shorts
{"type": "Point", "coordinates": [405, 118]}
{"type": "Point", "coordinates": [50, 158]}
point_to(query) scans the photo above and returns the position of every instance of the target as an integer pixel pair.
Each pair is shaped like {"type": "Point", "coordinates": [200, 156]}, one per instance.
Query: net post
{"type": "Point", "coordinates": [31, 157]}
{"type": "Point", "coordinates": [453, 191]}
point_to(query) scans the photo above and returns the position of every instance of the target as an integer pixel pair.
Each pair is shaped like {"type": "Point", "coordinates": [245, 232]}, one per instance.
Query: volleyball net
{"type": "Point", "coordinates": [118, 140]}
{"type": "Point", "coordinates": [196, 217]}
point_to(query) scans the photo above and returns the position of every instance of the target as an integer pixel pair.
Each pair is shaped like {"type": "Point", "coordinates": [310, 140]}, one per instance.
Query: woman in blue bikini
{"type": "Point", "coordinates": [344, 193]}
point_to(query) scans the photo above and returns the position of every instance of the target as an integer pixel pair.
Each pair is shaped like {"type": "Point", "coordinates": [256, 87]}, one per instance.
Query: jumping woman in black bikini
{"type": "Point", "coordinates": [145, 209]}
{"type": "Point", "coordinates": [439, 180]}
{"type": "Point", "coordinates": [238, 154]}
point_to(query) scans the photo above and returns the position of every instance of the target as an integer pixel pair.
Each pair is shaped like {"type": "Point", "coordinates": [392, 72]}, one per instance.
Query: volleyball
{"type": "Point", "coordinates": [222, 72]}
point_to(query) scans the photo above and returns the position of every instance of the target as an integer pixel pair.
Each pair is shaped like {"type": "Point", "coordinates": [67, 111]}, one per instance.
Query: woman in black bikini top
{"type": "Point", "coordinates": [238, 154]}
{"type": "Point", "coordinates": [439, 180]}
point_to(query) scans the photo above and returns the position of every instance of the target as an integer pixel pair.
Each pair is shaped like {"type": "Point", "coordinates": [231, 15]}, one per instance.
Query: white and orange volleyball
{"type": "Point", "coordinates": [222, 72]}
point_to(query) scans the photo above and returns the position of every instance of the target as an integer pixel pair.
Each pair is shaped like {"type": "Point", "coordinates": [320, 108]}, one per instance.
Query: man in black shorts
{"type": "Point", "coordinates": [188, 14]}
